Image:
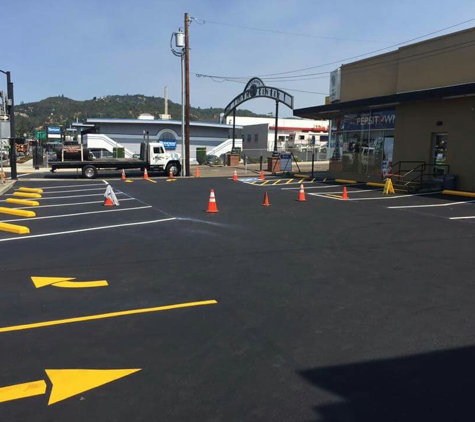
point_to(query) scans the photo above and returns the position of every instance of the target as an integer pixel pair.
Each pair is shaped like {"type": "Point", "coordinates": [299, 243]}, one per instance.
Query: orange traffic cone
{"type": "Point", "coordinates": [123, 177]}
{"type": "Point", "coordinates": [145, 174]}
{"type": "Point", "coordinates": [301, 195]}
{"type": "Point", "coordinates": [235, 178]}
{"type": "Point", "coordinates": [212, 207]}
{"type": "Point", "coordinates": [197, 172]}
{"type": "Point", "coordinates": [261, 177]}
{"type": "Point", "coordinates": [108, 202]}
{"type": "Point", "coordinates": [266, 201]}
{"type": "Point", "coordinates": [170, 175]}
{"type": "Point", "coordinates": [345, 193]}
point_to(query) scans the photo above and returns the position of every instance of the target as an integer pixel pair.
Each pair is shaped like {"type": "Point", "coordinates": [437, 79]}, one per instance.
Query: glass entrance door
{"type": "Point", "coordinates": [439, 153]}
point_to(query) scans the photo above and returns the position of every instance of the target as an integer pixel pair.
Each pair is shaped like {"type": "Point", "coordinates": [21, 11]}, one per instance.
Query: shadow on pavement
{"type": "Point", "coordinates": [436, 386]}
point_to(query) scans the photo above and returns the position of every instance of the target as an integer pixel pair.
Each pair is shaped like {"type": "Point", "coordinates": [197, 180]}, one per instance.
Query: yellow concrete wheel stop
{"type": "Point", "coordinates": [27, 194]}
{"type": "Point", "coordinates": [19, 213]}
{"type": "Point", "coordinates": [25, 202]}
{"type": "Point", "coordinates": [31, 190]}
{"type": "Point", "coordinates": [13, 228]}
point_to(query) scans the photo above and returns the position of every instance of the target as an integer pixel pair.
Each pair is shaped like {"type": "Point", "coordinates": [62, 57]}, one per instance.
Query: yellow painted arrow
{"type": "Point", "coordinates": [66, 282]}
{"type": "Point", "coordinates": [66, 383]}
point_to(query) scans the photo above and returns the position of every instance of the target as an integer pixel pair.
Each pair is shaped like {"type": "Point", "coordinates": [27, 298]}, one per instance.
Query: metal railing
{"type": "Point", "coordinates": [415, 173]}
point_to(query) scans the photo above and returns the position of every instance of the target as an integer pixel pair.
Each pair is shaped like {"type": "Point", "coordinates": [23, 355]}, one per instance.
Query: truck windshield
{"type": "Point", "coordinates": [158, 150]}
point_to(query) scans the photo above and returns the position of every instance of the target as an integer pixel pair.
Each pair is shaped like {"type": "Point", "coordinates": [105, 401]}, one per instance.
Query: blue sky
{"type": "Point", "coordinates": [91, 48]}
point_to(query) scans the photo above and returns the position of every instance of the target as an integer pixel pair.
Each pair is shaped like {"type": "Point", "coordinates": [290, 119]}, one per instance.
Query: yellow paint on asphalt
{"type": "Point", "coordinates": [334, 196]}
{"type": "Point", "coordinates": [313, 180]}
{"type": "Point", "coordinates": [128, 181]}
{"type": "Point", "coordinates": [345, 181]}
{"type": "Point", "coordinates": [290, 180]}
{"type": "Point", "coordinates": [324, 180]}
{"type": "Point", "coordinates": [71, 382]}
{"type": "Point", "coordinates": [153, 181]}
{"type": "Point", "coordinates": [277, 181]}
{"type": "Point", "coordinates": [253, 183]}
{"type": "Point", "coordinates": [13, 228]}
{"type": "Point", "coordinates": [265, 183]}
{"type": "Point", "coordinates": [27, 194]}
{"type": "Point", "coordinates": [32, 190]}
{"type": "Point", "coordinates": [104, 316]}
{"type": "Point", "coordinates": [301, 181]}
{"type": "Point", "coordinates": [19, 213]}
{"type": "Point", "coordinates": [459, 193]}
{"type": "Point", "coordinates": [171, 180]}
{"type": "Point", "coordinates": [22, 202]}
{"type": "Point", "coordinates": [22, 391]}
{"type": "Point", "coordinates": [66, 282]}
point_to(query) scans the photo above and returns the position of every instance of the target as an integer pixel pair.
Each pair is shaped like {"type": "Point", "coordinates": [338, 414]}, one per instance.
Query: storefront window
{"type": "Point", "coordinates": [366, 141]}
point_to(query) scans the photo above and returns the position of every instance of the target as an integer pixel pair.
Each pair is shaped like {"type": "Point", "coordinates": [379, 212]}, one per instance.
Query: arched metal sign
{"type": "Point", "coordinates": [256, 88]}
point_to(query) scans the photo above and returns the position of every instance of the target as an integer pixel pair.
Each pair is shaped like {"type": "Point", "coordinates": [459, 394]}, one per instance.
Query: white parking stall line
{"type": "Point", "coordinates": [323, 195]}
{"type": "Point", "coordinates": [76, 214]}
{"type": "Point", "coordinates": [67, 197]}
{"type": "Point", "coordinates": [71, 205]}
{"type": "Point", "coordinates": [340, 192]}
{"type": "Point", "coordinates": [431, 205]}
{"type": "Point", "coordinates": [70, 186]}
{"type": "Point", "coordinates": [393, 197]}
{"type": "Point", "coordinates": [322, 187]}
{"type": "Point", "coordinates": [74, 190]}
{"type": "Point", "coordinates": [140, 223]}
{"type": "Point", "coordinates": [468, 217]}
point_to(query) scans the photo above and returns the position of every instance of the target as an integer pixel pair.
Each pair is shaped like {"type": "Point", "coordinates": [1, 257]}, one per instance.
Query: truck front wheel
{"type": "Point", "coordinates": [174, 167]}
{"type": "Point", "coordinates": [89, 172]}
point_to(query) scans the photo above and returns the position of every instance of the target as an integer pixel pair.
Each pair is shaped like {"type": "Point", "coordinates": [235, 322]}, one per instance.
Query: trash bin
{"type": "Point", "coordinates": [450, 181]}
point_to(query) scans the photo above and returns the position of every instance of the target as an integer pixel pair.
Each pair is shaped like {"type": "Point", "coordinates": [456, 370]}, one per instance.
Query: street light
{"type": "Point", "coordinates": [180, 43]}
{"type": "Point", "coordinates": [11, 112]}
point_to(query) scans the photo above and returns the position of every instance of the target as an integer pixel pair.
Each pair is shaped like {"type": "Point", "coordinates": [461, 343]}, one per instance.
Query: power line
{"type": "Point", "coordinates": [295, 34]}
{"type": "Point", "coordinates": [350, 58]}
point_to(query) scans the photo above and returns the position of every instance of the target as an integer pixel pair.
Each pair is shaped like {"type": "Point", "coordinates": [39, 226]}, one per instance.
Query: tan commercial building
{"type": "Point", "coordinates": [410, 113]}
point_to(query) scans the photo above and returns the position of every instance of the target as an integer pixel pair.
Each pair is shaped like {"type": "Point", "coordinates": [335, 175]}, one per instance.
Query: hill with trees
{"type": "Point", "coordinates": [64, 111]}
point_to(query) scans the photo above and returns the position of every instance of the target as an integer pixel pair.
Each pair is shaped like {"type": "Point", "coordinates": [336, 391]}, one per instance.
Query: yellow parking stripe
{"type": "Point", "coordinates": [290, 180]}
{"type": "Point", "coordinates": [253, 183]}
{"type": "Point", "coordinates": [277, 181]}
{"type": "Point", "coordinates": [313, 180]}
{"type": "Point", "coordinates": [334, 196]}
{"type": "Point", "coordinates": [265, 183]}
{"type": "Point", "coordinates": [301, 181]}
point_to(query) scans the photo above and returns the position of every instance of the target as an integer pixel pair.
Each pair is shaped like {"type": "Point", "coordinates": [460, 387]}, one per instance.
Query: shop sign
{"type": "Point", "coordinates": [285, 162]}
{"type": "Point", "coordinates": [54, 130]}
{"type": "Point", "coordinates": [170, 144]}
{"type": "Point", "coordinates": [377, 119]}
{"type": "Point", "coordinates": [335, 85]}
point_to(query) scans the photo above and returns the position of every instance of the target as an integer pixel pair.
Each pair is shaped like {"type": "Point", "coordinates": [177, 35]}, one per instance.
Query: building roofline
{"type": "Point", "coordinates": [335, 109]}
{"type": "Point", "coordinates": [155, 122]}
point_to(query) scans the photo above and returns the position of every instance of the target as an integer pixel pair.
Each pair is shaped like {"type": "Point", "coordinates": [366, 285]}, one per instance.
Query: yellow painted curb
{"type": "Point", "coordinates": [12, 228]}
{"type": "Point", "coordinates": [27, 195]}
{"type": "Point", "coordinates": [302, 175]}
{"type": "Point", "coordinates": [345, 181]}
{"type": "Point", "coordinates": [459, 193]}
{"type": "Point", "coordinates": [375, 184]}
{"type": "Point", "coordinates": [32, 190]}
{"type": "Point", "coordinates": [19, 213]}
{"type": "Point", "coordinates": [22, 202]}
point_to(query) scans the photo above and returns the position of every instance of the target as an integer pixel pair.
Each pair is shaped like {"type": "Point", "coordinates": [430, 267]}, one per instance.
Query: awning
{"type": "Point", "coordinates": [332, 110]}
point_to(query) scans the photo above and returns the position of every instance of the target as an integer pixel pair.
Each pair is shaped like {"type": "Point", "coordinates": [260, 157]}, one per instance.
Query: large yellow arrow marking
{"type": "Point", "coordinates": [66, 383]}
{"type": "Point", "coordinates": [66, 282]}
{"type": "Point", "coordinates": [70, 382]}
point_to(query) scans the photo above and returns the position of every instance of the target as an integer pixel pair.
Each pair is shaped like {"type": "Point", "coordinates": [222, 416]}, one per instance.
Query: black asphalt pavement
{"type": "Point", "coordinates": [327, 310]}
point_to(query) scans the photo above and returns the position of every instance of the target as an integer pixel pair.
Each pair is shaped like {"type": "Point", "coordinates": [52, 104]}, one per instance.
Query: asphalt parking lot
{"type": "Point", "coordinates": [324, 310]}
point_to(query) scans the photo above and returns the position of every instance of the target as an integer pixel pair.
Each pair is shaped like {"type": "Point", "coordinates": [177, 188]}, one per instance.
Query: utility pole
{"type": "Point", "coordinates": [11, 113]}
{"type": "Point", "coordinates": [187, 95]}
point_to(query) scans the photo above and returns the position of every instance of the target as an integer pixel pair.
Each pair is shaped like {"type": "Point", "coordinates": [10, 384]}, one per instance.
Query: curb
{"type": "Point", "coordinates": [6, 186]}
